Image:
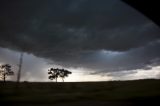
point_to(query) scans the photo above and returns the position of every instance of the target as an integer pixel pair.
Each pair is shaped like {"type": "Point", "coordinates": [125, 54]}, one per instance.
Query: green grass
{"type": "Point", "coordinates": [69, 92]}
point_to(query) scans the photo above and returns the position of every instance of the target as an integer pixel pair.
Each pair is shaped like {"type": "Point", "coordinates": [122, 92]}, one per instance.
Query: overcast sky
{"type": "Point", "coordinates": [95, 39]}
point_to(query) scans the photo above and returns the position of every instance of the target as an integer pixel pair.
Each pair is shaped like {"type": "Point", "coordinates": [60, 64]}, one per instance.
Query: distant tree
{"type": "Point", "coordinates": [53, 73]}
{"type": "Point", "coordinates": [64, 73]}
{"type": "Point", "coordinates": [56, 73]}
{"type": "Point", "coordinates": [5, 70]}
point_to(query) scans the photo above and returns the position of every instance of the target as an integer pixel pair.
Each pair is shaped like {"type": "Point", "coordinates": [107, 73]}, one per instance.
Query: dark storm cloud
{"type": "Point", "coordinates": [141, 58]}
{"type": "Point", "coordinates": [74, 32]}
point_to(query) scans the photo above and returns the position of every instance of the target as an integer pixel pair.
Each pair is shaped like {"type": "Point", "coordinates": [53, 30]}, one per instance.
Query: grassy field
{"type": "Point", "coordinates": [112, 93]}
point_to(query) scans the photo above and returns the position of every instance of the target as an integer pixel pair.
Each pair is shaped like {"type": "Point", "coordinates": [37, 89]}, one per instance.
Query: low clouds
{"type": "Point", "coordinates": [140, 58]}
{"type": "Point", "coordinates": [101, 35]}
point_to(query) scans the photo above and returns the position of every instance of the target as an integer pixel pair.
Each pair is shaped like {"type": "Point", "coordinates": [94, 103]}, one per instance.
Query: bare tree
{"type": "Point", "coordinates": [56, 73]}
{"type": "Point", "coordinates": [5, 71]}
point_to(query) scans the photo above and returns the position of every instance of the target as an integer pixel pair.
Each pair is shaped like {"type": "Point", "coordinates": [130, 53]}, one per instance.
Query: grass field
{"type": "Point", "coordinates": [112, 93]}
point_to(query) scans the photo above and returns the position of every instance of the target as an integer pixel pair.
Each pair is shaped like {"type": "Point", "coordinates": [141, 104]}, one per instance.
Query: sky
{"type": "Point", "coordinates": [98, 40]}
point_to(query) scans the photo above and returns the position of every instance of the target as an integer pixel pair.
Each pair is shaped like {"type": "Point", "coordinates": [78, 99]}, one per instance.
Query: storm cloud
{"type": "Point", "coordinates": [104, 35]}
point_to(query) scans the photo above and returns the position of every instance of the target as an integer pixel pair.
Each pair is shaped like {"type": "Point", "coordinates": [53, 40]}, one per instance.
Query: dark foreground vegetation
{"type": "Point", "coordinates": [112, 93]}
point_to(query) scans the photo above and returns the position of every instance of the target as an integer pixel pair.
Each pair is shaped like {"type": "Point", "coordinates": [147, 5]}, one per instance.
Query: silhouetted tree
{"type": "Point", "coordinates": [55, 73]}
{"type": "Point", "coordinates": [5, 71]}
{"type": "Point", "coordinates": [64, 73]}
